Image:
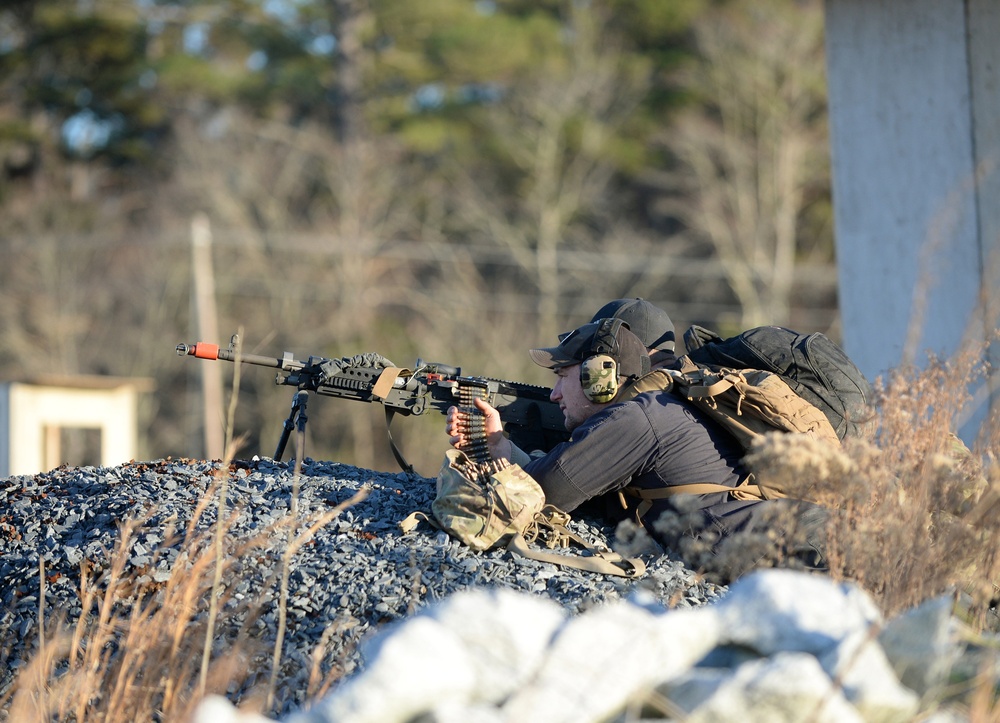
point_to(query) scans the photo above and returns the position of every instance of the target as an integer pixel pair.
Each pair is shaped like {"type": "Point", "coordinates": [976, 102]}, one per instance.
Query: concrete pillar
{"type": "Point", "coordinates": [915, 143]}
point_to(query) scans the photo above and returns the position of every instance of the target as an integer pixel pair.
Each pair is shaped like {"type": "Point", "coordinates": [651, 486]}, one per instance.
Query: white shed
{"type": "Point", "coordinates": [34, 412]}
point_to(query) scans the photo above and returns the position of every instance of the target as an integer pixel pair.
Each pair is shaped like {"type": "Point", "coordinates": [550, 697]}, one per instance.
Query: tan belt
{"type": "Point", "coordinates": [746, 490]}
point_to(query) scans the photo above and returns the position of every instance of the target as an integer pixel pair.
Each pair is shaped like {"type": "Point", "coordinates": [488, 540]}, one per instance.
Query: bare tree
{"type": "Point", "coordinates": [752, 153]}
{"type": "Point", "coordinates": [557, 128]}
{"type": "Point", "coordinates": [304, 211]}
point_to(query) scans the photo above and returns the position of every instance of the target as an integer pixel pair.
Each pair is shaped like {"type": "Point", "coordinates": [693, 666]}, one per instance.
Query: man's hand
{"type": "Point", "coordinates": [500, 446]}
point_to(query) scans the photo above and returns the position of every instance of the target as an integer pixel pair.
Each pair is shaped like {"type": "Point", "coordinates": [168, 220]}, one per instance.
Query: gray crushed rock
{"type": "Point", "coordinates": [356, 574]}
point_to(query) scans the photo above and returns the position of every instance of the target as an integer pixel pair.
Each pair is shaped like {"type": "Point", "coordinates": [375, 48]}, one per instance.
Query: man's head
{"type": "Point", "coordinates": [648, 322]}
{"type": "Point", "coordinates": [593, 363]}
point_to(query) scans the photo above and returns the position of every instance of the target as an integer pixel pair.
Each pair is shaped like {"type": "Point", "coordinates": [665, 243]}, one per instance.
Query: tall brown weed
{"type": "Point", "coordinates": [150, 647]}
{"type": "Point", "coordinates": [138, 649]}
{"type": "Point", "coordinates": [914, 511]}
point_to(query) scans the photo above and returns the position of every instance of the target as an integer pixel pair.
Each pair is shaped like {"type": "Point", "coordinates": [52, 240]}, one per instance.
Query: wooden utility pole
{"type": "Point", "coordinates": [207, 329]}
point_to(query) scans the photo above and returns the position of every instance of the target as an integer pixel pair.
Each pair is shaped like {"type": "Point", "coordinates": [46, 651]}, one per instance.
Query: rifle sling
{"type": "Point", "coordinates": [380, 390]}
{"type": "Point", "coordinates": [400, 460]}
{"type": "Point", "coordinates": [602, 561]}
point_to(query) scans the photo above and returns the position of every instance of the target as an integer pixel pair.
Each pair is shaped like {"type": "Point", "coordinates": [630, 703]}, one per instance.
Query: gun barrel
{"type": "Point", "coordinates": [204, 350]}
{"type": "Point", "coordinates": [200, 349]}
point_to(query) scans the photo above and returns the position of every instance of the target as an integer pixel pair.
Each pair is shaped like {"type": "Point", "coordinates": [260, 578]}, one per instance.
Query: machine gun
{"type": "Point", "coordinates": [531, 419]}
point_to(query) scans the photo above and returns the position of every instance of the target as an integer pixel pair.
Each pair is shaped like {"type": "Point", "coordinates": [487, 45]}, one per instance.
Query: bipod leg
{"type": "Point", "coordinates": [296, 418]}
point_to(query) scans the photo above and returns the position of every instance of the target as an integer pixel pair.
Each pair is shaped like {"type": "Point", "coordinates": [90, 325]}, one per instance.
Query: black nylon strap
{"type": "Point", "coordinates": [400, 460]}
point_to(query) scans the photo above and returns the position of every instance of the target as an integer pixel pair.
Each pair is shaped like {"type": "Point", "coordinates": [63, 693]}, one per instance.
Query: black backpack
{"type": "Point", "coordinates": [813, 366]}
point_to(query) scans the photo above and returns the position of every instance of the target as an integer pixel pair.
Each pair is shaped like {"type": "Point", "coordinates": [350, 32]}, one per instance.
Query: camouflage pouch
{"type": "Point", "coordinates": [485, 515]}
{"type": "Point", "coordinates": [507, 508]}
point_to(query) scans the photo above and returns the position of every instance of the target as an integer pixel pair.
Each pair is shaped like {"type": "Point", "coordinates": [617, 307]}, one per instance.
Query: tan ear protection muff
{"type": "Point", "coordinates": [599, 376]}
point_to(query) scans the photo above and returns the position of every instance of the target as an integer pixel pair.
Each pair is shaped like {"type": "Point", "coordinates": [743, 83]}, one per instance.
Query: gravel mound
{"type": "Point", "coordinates": [347, 577]}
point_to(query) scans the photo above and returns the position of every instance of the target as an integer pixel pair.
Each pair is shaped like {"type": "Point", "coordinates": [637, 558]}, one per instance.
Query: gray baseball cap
{"type": "Point", "coordinates": [578, 345]}
{"type": "Point", "coordinates": [650, 323]}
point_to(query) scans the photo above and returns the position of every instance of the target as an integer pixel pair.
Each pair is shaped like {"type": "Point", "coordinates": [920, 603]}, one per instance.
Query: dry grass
{"type": "Point", "coordinates": [148, 650]}
{"type": "Point", "coordinates": [914, 510]}
{"type": "Point", "coordinates": [913, 513]}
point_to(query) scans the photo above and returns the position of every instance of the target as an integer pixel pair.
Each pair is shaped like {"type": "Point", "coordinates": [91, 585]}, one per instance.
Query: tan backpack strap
{"type": "Point", "coordinates": [707, 391]}
{"type": "Point", "coordinates": [602, 561]}
{"type": "Point", "coordinates": [746, 490]}
{"type": "Point", "coordinates": [695, 382]}
{"type": "Point", "coordinates": [695, 488]}
{"type": "Point", "coordinates": [652, 381]}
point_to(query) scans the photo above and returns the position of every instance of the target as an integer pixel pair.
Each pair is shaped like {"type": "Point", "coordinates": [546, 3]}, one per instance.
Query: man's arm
{"type": "Point", "coordinates": [652, 441]}
{"type": "Point", "coordinates": [604, 454]}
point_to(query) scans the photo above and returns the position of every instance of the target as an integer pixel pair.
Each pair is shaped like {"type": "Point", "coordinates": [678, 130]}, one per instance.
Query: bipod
{"type": "Point", "coordinates": [296, 420]}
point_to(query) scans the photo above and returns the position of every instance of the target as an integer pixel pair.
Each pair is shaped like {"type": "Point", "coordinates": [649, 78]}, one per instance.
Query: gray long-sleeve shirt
{"type": "Point", "coordinates": [653, 440]}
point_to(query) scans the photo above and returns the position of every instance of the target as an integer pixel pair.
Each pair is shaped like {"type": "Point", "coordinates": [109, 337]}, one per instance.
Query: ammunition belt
{"type": "Point", "coordinates": [472, 423]}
